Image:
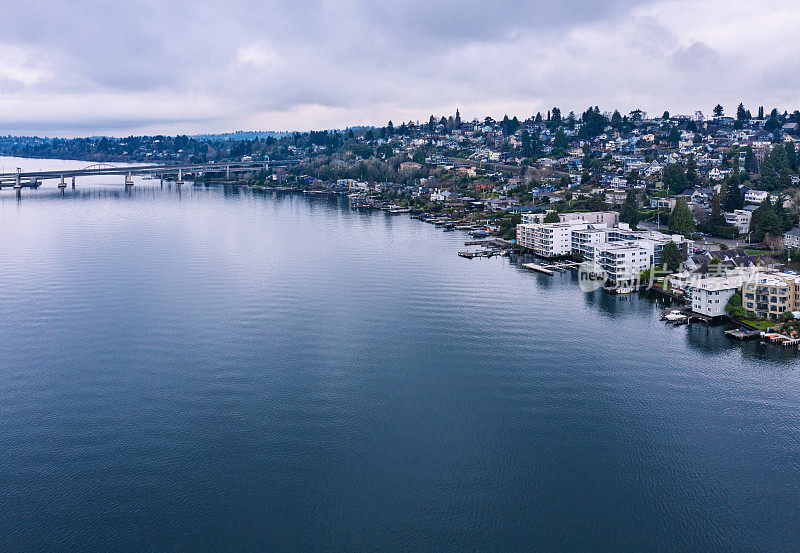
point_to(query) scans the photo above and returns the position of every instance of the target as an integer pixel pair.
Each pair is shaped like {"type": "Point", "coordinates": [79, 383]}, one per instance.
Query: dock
{"type": "Point", "coordinates": [781, 339]}
{"type": "Point", "coordinates": [538, 268]}
{"type": "Point", "coordinates": [491, 242]}
{"type": "Point", "coordinates": [740, 334]}
{"type": "Point", "coordinates": [551, 268]}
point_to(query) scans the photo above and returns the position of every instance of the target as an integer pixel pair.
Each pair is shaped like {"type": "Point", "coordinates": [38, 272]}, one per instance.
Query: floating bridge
{"type": "Point", "coordinates": [32, 179]}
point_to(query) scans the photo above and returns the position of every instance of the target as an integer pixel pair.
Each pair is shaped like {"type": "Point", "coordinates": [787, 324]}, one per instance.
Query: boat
{"type": "Point", "coordinates": [675, 316]}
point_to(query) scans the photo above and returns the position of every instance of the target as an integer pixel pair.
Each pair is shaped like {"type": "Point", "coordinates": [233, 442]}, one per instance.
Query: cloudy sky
{"type": "Point", "coordinates": [83, 68]}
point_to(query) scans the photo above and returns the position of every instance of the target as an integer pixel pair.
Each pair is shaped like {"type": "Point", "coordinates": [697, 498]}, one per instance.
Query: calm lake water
{"type": "Point", "coordinates": [227, 370]}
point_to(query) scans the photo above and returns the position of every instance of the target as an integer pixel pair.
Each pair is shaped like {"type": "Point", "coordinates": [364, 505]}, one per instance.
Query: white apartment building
{"type": "Point", "coordinates": [585, 240]}
{"type": "Point", "coordinates": [548, 239]}
{"type": "Point", "coordinates": [624, 261]}
{"type": "Point", "coordinates": [657, 239]}
{"type": "Point", "coordinates": [608, 218]}
{"type": "Point", "coordinates": [709, 296]}
{"type": "Point", "coordinates": [622, 252]}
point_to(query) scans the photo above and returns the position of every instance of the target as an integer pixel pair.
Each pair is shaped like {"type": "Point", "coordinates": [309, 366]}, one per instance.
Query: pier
{"type": "Point", "coordinates": [780, 339]}
{"type": "Point", "coordinates": [538, 268]}
{"type": "Point", "coordinates": [551, 268]}
{"type": "Point", "coordinates": [741, 334]}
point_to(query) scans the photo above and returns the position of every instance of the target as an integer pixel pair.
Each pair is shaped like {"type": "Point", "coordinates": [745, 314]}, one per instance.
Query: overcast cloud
{"type": "Point", "coordinates": [79, 68]}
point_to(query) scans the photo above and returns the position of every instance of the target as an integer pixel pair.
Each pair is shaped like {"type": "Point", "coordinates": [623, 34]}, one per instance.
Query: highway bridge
{"type": "Point", "coordinates": [33, 179]}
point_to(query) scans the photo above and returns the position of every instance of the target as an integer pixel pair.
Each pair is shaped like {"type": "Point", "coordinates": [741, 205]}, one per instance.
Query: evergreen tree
{"type": "Point", "coordinates": [718, 111]}
{"type": "Point", "coordinates": [458, 118]}
{"type": "Point", "coordinates": [674, 136]}
{"type": "Point", "coordinates": [629, 212]}
{"type": "Point", "coordinates": [768, 180]}
{"type": "Point", "coordinates": [595, 202]}
{"type": "Point", "coordinates": [750, 161]}
{"type": "Point", "coordinates": [741, 114]}
{"type": "Point", "coordinates": [594, 123]}
{"type": "Point", "coordinates": [665, 115]}
{"type": "Point", "coordinates": [791, 156]}
{"type": "Point", "coordinates": [760, 113]}
{"type": "Point", "coordinates": [525, 139]}
{"type": "Point", "coordinates": [671, 257]}
{"type": "Point", "coordinates": [674, 178]}
{"type": "Point", "coordinates": [691, 171]}
{"type": "Point", "coordinates": [772, 124]}
{"type": "Point", "coordinates": [765, 221]}
{"type": "Point", "coordinates": [560, 143]}
{"type": "Point", "coordinates": [733, 197]}
{"type": "Point", "coordinates": [555, 117]}
{"type": "Point", "coordinates": [681, 220]}
{"type": "Point", "coordinates": [551, 217]}
{"type": "Point", "coordinates": [716, 210]}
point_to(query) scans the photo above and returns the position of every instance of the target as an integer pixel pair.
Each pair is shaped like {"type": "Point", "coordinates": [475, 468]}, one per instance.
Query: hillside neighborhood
{"type": "Point", "coordinates": [627, 192]}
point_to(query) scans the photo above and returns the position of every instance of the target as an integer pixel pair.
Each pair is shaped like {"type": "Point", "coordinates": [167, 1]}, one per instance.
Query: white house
{"type": "Point", "coordinates": [740, 218]}
{"type": "Point", "coordinates": [440, 195]}
{"type": "Point", "coordinates": [755, 196]}
{"type": "Point", "coordinates": [791, 239]}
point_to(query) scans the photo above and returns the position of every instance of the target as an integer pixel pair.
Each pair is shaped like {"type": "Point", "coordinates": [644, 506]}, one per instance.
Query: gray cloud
{"type": "Point", "coordinates": [87, 67]}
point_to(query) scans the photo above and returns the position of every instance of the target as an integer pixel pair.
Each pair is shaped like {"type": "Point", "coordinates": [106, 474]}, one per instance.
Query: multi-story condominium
{"type": "Point", "coordinates": [591, 240]}
{"type": "Point", "coordinates": [624, 261]}
{"type": "Point", "coordinates": [659, 239]}
{"type": "Point", "coordinates": [709, 296]}
{"type": "Point", "coordinates": [585, 240]}
{"type": "Point", "coordinates": [771, 295]}
{"type": "Point", "coordinates": [608, 218]}
{"type": "Point", "coordinates": [548, 239]}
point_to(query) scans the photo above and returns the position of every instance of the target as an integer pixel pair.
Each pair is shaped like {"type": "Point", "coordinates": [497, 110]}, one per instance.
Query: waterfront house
{"type": "Point", "coordinates": [709, 296]}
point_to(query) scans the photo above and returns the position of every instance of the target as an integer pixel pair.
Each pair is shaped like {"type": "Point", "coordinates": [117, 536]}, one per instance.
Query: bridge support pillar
{"type": "Point", "coordinates": [17, 182]}
{"type": "Point", "coordinates": [227, 172]}
{"type": "Point", "coordinates": [180, 177]}
{"type": "Point", "coordinates": [62, 185]}
{"type": "Point", "coordinates": [129, 180]}
{"type": "Point", "coordinates": [73, 183]}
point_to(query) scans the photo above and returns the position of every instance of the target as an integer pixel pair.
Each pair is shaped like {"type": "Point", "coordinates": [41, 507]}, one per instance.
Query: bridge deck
{"type": "Point", "coordinates": [26, 177]}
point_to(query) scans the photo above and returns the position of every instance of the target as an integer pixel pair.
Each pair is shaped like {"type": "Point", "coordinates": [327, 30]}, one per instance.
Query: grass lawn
{"type": "Point", "coordinates": [761, 324]}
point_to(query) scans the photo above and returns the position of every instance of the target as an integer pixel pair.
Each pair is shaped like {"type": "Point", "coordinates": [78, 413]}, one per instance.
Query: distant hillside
{"type": "Point", "coordinates": [241, 135]}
